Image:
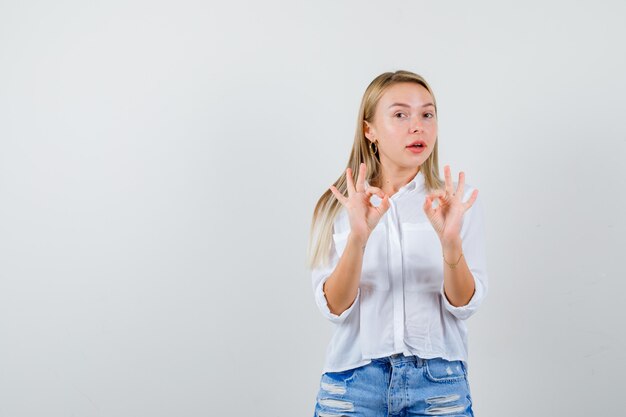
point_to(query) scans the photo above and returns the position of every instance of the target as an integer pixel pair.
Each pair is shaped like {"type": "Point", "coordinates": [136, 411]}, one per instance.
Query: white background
{"type": "Point", "coordinates": [159, 164]}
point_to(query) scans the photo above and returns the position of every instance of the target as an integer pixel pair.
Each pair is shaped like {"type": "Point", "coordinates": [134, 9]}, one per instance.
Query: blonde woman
{"type": "Point", "coordinates": [398, 264]}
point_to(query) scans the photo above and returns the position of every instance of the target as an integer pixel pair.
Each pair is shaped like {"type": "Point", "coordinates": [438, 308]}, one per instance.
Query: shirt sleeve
{"type": "Point", "coordinates": [319, 276]}
{"type": "Point", "coordinates": [474, 252]}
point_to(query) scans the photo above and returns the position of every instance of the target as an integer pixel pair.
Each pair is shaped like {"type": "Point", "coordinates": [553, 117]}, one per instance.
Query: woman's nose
{"type": "Point", "coordinates": [416, 126]}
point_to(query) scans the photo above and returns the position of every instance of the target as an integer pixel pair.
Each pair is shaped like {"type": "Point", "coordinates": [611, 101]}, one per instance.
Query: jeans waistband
{"type": "Point", "coordinates": [398, 358]}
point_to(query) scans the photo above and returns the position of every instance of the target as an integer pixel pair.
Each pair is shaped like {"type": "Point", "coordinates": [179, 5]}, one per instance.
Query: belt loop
{"type": "Point", "coordinates": [464, 367]}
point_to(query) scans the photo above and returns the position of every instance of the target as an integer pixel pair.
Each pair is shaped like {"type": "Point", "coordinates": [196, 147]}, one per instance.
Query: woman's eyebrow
{"type": "Point", "coordinates": [406, 105]}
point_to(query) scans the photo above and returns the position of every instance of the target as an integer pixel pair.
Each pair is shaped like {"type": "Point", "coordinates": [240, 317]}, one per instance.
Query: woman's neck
{"type": "Point", "coordinates": [391, 182]}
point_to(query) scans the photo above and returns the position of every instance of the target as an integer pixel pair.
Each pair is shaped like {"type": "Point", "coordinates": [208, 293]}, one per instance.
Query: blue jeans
{"type": "Point", "coordinates": [396, 385]}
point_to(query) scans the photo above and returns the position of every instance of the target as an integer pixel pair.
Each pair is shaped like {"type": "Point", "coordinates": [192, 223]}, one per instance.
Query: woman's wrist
{"type": "Point", "coordinates": [452, 247]}
{"type": "Point", "coordinates": [358, 238]}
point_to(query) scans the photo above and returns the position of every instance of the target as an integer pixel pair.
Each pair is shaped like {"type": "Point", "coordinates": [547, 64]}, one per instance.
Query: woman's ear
{"type": "Point", "coordinates": [367, 130]}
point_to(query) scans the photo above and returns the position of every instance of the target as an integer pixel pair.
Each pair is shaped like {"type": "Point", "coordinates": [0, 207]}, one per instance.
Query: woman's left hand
{"type": "Point", "coordinates": [446, 217]}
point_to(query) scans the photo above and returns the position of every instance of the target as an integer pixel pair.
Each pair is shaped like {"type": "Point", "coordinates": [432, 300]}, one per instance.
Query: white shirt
{"type": "Point", "coordinates": [400, 306]}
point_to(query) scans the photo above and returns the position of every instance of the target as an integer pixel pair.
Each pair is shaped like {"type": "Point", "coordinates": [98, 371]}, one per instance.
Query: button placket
{"type": "Point", "coordinates": [394, 256]}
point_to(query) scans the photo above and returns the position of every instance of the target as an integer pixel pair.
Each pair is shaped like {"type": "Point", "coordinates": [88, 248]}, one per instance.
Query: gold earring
{"type": "Point", "coordinates": [374, 148]}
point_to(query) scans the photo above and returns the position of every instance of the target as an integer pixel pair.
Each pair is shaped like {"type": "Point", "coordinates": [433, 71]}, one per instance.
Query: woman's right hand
{"type": "Point", "coordinates": [363, 215]}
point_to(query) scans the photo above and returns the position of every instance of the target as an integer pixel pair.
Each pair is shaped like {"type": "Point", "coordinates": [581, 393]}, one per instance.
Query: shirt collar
{"type": "Point", "coordinates": [416, 182]}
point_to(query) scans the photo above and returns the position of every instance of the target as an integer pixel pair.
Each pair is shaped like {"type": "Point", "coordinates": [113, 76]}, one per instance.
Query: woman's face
{"type": "Point", "coordinates": [404, 114]}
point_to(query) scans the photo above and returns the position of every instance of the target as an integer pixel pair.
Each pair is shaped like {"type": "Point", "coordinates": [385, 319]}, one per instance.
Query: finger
{"type": "Point", "coordinates": [351, 189]}
{"type": "Point", "coordinates": [428, 206]}
{"type": "Point", "coordinates": [439, 195]}
{"type": "Point", "coordinates": [360, 181]}
{"type": "Point", "coordinates": [371, 190]}
{"type": "Point", "coordinates": [384, 205]}
{"type": "Point", "coordinates": [471, 200]}
{"type": "Point", "coordinates": [461, 185]}
{"type": "Point", "coordinates": [342, 199]}
{"type": "Point", "coordinates": [448, 177]}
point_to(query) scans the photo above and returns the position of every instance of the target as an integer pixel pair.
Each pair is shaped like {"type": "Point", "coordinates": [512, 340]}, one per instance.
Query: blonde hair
{"type": "Point", "coordinates": [327, 207]}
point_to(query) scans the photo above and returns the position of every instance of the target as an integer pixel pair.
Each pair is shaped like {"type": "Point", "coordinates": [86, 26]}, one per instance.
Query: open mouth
{"type": "Point", "coordinates": [418, 146]}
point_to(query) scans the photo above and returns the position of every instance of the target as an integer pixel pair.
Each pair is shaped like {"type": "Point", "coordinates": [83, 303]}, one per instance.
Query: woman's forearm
{"type": "Point", "coordinates": [458, 282]}
{"type": "Point", "coordinates": [342, 285]}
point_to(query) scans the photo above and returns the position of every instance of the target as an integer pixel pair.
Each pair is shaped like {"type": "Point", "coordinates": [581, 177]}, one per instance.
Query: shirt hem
{"type": "Point", "coordinates": [346, 367]}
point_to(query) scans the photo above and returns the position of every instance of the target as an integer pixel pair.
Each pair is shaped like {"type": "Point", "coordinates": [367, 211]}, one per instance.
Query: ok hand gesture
{"type": "Point", "coordinates": [363, 215]}
{"type": "Point", "coordinates": [446, 218]}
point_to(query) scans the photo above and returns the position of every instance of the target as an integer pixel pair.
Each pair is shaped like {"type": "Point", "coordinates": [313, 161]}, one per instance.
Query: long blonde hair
{"type": "Point", "coordinates": [327, 207]}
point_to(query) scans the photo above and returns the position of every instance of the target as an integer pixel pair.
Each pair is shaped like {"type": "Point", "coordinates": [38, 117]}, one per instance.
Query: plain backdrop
{"type": "Point", "coordinates": [160, 161]}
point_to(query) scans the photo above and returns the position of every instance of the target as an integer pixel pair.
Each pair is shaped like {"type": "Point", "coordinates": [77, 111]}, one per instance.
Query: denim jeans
{"type": "Point", "coordinates": [396, 386]}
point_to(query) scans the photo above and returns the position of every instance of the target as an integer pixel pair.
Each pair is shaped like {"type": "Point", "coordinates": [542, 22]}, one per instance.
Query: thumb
{"type": "Point", "coordinates": [384, 205]}
{"type": "Point", "coordinates": [428, 206]}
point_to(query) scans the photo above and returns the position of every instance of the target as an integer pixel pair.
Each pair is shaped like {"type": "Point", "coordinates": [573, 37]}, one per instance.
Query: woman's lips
{"type": "Point", "coordinates": [416, 149]}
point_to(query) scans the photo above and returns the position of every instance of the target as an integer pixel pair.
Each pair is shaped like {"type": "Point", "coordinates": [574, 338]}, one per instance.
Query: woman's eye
{"type": "Point", "coordinates": [398, 114]}
{"type": "Point", "coordinates": [431, 115]}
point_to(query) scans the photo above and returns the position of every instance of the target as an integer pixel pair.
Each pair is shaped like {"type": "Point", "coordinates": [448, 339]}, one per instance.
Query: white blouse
{"type": "Point", "coordinates": [400, 305]}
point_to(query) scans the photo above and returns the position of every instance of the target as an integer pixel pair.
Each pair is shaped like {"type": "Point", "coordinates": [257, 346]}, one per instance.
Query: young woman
{"type": "Point", "coordinates": [398, 264]}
